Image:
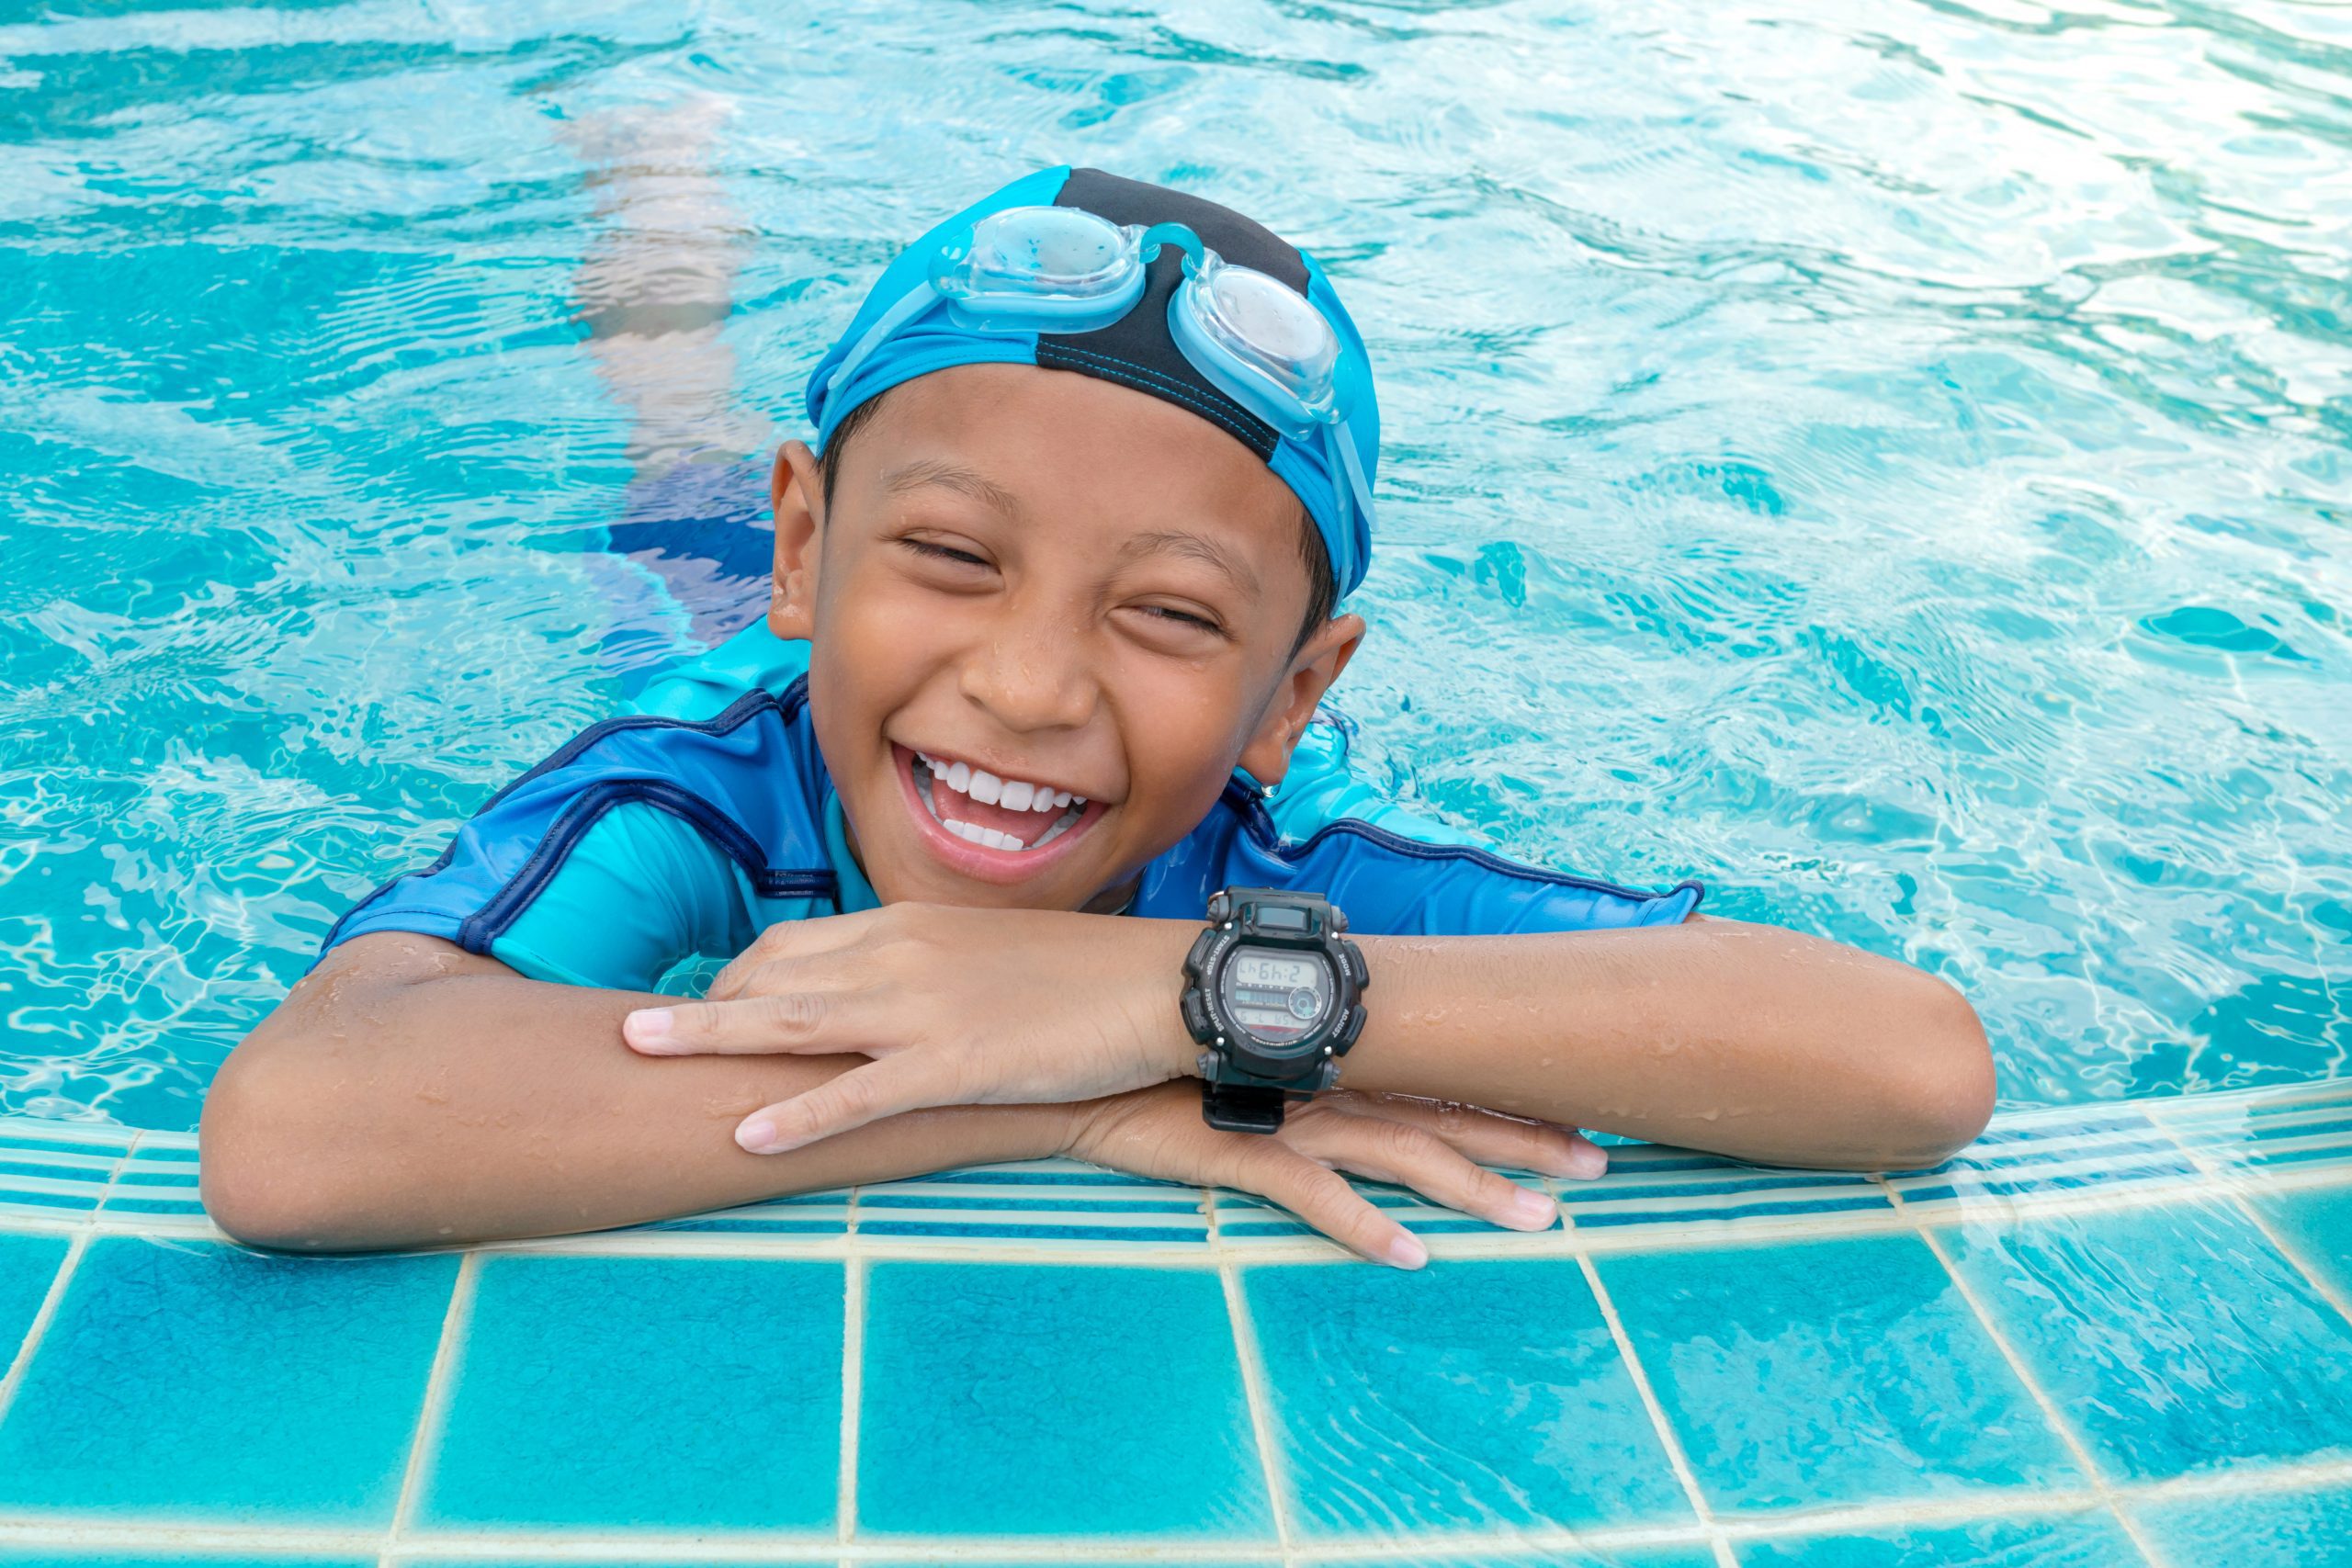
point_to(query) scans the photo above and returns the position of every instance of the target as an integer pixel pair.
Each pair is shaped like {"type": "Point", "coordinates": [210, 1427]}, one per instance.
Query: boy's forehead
{"type": "Point", "coordinates": [1038, 438]}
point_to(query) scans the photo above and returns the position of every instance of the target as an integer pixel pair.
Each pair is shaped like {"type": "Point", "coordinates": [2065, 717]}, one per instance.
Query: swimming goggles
{"type": "Point", "coordinates": [1064, 269]}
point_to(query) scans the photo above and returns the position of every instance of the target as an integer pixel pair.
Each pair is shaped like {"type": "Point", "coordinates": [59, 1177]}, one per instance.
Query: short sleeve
{"type": "Point", "coordinates": [639, 893]}
{"type": "Point", "coordinates": [647, 840]}
{"type": "Point", "coordinates": [1326, 830]}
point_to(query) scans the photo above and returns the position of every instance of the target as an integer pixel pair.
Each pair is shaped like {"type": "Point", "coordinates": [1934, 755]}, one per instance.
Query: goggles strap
{"type": "Point", "coordinates": [909, 305]}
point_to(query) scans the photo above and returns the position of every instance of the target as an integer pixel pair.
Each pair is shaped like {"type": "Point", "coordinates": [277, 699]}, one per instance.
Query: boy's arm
{"type": "Point", "coordinates": [1748, 1040]}
{"type": "Point", "coordinates": [1751, 1040]}
{"type": "Point", "coordinates": [408, 1093]}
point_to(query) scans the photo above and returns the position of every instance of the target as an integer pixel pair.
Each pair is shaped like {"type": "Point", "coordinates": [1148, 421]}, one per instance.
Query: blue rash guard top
{"type": "Point", "coordinates": [652, 847]}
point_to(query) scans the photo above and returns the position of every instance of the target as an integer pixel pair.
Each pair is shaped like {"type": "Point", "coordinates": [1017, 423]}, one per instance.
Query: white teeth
{"type": "Point", "coordinates": [1042, 800]}
{"type": "Point", "coordinates": [958, 775]}
{"type": "Point", "coordinates": [985, 786]}
{"type": "Point", "coordinates": [1016, 794]}
{"type": "Point", "coordinates": [987, 838]}
{"type": "Point", "coordinates": [1062, 797]}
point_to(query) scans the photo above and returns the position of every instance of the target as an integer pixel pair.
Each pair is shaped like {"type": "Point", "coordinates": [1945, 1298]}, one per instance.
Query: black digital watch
{"type": "Point", "coordinates": [1273, 995]}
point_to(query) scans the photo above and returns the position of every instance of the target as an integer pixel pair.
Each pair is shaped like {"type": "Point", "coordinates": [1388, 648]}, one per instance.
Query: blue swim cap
{"type": "Point", "coordinates": [1137, 350]}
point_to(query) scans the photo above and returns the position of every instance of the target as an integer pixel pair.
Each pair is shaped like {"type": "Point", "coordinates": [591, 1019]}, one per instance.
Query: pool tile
{"type": "Point", "coordinates": [200, 1383]}
{"type": "Point", "coordinates": [1882, 1383]}
{"type": "Point", "coordinates": [2282, 1529]}
{"type": "Point", "coordinates": [645, 1392]}
{"type": "Point", "coordinates": [1032, 1399]}
{"type": "Point", "coordinates": [2175, 1337]}
{"type": "Point", "coordinates": [27, 1266]}
{"type": "Point", "coordinates": [1482, 1395]}
{"type": "Point", "coordinates": [2082, 1540]}
{"type": "Point", "coordinates": [2318, 1225]}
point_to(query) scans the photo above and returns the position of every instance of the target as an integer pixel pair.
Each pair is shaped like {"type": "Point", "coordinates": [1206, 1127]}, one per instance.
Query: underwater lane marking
{"type": "Point", "coordinates": [1272, 1467]}
{"type": "Point", "coordinates": [2052, 1416]}
{"type": "Point", "coordinates": [425, 1442]}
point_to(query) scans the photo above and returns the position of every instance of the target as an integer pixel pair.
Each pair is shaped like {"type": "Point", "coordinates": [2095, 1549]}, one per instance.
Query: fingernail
{"type": "Point", "coordinates": [650, 1029]}
{"type": "Point", "coordinates": [1584, 1162]}
{"type": "Point", "coordinates": [1534, 1209]}
{"type": "Point", "coordinates": [1406, 1251]}
{"type": "Point", "coordinates": [758, 1135]}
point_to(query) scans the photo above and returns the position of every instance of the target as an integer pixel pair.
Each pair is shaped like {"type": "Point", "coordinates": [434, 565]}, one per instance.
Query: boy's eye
{"type": "Point", "coordinates": [942, 552]}
{"type": "Point", "coordinates": [1184, 619]}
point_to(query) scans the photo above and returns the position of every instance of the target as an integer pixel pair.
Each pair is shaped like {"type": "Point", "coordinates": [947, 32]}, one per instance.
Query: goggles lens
{"type": "Point", "coordinates": [1057, 254]}
{"type": "Point", "coordinates": [1271, 333]}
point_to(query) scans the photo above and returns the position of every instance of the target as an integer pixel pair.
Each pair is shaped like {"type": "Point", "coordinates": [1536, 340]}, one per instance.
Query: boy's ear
{"type": "Point", "coordinates": [1317, 664]}
{"type": "Point", "coordinates": [799, 529]}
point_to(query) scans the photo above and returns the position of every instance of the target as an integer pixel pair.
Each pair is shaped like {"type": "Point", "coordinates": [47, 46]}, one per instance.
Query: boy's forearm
{"type": "Point", "coordinates": [1748, 1040]}
{"type": "Point", "coordinates": [387, 1107]}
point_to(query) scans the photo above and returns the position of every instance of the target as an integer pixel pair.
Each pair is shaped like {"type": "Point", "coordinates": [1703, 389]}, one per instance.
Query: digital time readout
{"type": "Point", "coordinates": [1275, 996]}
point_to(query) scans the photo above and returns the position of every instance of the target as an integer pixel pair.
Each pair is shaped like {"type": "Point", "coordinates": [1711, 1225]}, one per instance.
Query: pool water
{"type": "Point", "coordinates": [1886, 461]}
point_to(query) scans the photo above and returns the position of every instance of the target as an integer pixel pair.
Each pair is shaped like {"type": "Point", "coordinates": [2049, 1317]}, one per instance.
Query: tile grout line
{"type": "Point", "coordinates": [83, 1231]}
{"type": "Point", "coordinates": [1250, 1362]}
{"type": "Point", "coordinates": [754, 1546]}
{"type": "Point", "coordinates": [2231, 1189]}
{"type": "Point", "coordinates": [1680, 1461]}
{"type": "Point", "coordinates": [853, 1396]}
{"type": "Point", "coordinates": [434, 1405]}
{"type": "Point", "coordinates": [2076, 1448]}
{"type": "Point", "coordinates": [854, 1264]}
{"type": "Point", "coordinates": [15, 1377]}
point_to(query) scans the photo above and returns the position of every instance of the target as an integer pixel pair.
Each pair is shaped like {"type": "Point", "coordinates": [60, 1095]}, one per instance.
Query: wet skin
{"type": "Point", "coordinates": [1061, 581]}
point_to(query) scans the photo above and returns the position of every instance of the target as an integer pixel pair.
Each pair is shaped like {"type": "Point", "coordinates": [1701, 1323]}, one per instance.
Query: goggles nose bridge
{"type": "Point", "coordinates": [1149, 242]}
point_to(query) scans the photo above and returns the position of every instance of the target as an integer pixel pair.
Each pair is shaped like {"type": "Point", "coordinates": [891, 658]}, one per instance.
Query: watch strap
{"type": "Point", "coordinates": [1241, 1108]}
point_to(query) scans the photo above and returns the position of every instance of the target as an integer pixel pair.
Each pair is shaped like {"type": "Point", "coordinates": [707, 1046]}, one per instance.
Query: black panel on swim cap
{"type": "Point", "coordinates": [1137, 348]}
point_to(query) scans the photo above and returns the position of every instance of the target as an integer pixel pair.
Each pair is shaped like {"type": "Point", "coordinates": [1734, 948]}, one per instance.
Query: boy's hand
{"type": "Point", "coordinates": [1435, 1149]}
{"type": "Point", "coordinates": [956, 1007]}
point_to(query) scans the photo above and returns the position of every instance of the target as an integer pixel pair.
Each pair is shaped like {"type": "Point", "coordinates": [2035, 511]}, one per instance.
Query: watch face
{"type": "Point", "coordinates": [1273, 995]}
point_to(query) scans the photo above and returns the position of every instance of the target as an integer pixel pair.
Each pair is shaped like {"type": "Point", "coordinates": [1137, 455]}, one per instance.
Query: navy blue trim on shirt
{"type": "Point", "coordinates": [733, 717]}
{"type": "Point", "coordinates": [1258, 823]}
{"type": "Point", "coordinates": [503, 909]}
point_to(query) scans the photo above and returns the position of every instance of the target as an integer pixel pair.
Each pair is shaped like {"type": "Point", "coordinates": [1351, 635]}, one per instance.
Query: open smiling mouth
{"type": "Point", "coordinates": [995, 827]}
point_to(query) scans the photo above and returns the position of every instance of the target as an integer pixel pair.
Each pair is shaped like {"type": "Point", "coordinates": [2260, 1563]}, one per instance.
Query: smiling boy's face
{"type": "Point", "coordinates": [1046, 580]}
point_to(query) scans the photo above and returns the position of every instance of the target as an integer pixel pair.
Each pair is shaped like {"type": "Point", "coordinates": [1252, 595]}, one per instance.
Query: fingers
{"type": "Point", "coordinates": [1322, 1197]}
{"type": "Point", "coordinates": [1489, 1137]}
{"type": "Point", "coordinates": [886, 1088]}
{"type": "Point", "coordinates": [789, 939]}
{"type": "Point", "coordinates": [1410, 1155]}
{"type": "Point", "coordinates": [807, 1012]}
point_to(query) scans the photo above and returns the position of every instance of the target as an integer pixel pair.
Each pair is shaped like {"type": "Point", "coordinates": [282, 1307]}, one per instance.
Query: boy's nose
{"type": "Point", "coordinates": [1031, 673]}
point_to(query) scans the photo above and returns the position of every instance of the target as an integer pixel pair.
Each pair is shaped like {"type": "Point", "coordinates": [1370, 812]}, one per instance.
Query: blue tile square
{"type": "Point", "coordinates": [2080, 1540]}
{"type": "Point", "coordinates": [28, 1266]}
{"type": "Point", "coordinates": [1828, 1373]}
{"type": "Point", "coordinates": [1481, 1395]}
{"type": "Point", "coordinates": [2317, 1223]}
{"type": "Point", "coordinates": [2172, 1336]}
{"type": "Point", "coordinates": [645, 1392]}
{"type": "Point", "coordinates": [193, 1382]}
{"type": "Point", "coordinates": [1034, 1399]}
{"type": "Point", "coordinates": [2254, 1530]}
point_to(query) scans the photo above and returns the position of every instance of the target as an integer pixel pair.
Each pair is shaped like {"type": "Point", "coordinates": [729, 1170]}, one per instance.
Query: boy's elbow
{"type": "Point", "coordinates": [267, 1169]}
{"type": "Point", "coordinates": [1948, 1095]}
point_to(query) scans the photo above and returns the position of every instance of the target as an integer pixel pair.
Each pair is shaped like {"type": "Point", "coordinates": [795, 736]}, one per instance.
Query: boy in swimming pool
{"type": "Point", "coordinates": [1020, 831]}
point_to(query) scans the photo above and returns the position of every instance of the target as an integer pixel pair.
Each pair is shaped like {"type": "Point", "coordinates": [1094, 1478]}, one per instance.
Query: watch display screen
{"type": "Point", "coordinates": [1275, 995]}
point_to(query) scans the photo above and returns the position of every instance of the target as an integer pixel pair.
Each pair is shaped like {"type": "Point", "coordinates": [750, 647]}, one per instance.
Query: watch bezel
{"type": "Point", "coordinates": [1235, 1057]}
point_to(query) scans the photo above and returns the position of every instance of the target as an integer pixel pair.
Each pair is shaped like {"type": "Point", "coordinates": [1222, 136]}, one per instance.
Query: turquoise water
{"type": "Point", "coordinates": [1886, 461]}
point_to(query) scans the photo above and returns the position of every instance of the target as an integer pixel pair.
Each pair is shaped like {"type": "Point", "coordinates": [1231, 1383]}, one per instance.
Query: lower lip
{"type": "Point", "coordinates": [978, 861]}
